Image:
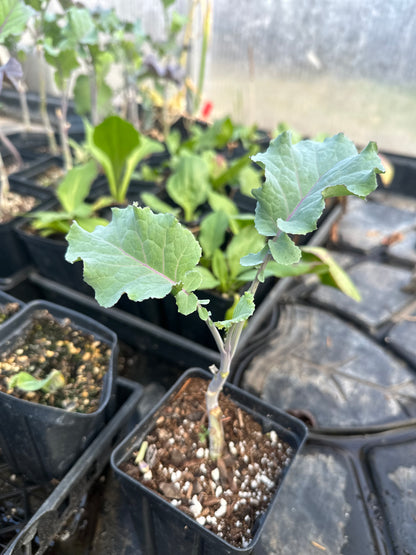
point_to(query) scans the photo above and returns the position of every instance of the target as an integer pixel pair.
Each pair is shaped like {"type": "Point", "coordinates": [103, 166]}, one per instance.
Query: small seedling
{"type": "Point", "coordinates": [26, 382]}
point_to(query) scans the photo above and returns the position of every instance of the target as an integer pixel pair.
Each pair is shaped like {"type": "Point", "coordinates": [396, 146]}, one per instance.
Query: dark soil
{"type": "Point", "coordinates": [15, 205]}
{"type": "Point", "coordinates": [226, 496]}
{"type": "Point", "coordinates": [46, 344]}
{"type": "Point", "coordinates": [7, 310]}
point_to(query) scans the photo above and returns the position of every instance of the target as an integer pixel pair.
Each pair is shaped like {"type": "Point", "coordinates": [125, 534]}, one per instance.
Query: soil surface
{"type": "Point", "coordinates": [46, 344]}
{"type": "Point", "coordinates": [7, 310]}
{"type": "Point", "coordinates": [16, 204]}
{"type": "Point", "coordinates": [226, 496]}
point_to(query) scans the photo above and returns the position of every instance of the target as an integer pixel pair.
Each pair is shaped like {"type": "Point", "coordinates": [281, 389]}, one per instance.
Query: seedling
{"type": "Point", "coordinates": [72, 193]}
{"type": "Point", "coordinates": [26, 382]}
{"type": "Point", "coordinates": [147, 255]}
{"type": "Point", "coordinates": [118, 147]}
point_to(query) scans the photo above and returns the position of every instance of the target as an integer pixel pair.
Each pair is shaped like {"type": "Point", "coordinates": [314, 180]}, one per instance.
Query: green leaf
{"type": "Point", "coordinates": [90, 223]}
{"type": "Point", "coordinates": [219, 202]}
{"type": "Point", "coordinates": [14, 15]}
{"type": "Point", "coordinates": [76, 185]}
{"type": "Point", "coordinates": [118, 147]}
{"type": "Point", "coordinates": [203, 313]}
{"type": "Point", "coordinates": [188, 186]}
{"type": "Point", "coordinates": [246, 242]}
{"type": "Point", "coordinates": [115, 139]}
{"type": "Point", "coordinates": [82, 97]}
{"type": "Point", "coordinates": [244, 309]}
{"type": "Point", "coordinates": [26, 382]}
{"type": "Point", "coordinates": [82, 27]}
{"type": "Point", "coordinates": [139, 253]}
{"type": "Point", "coordinates": [231, 172]}
{"type": "Point", "coordinates": [65, 62]}
{"type": "Point", "coordinates": [249, 179]}
{"type": "Point", "coordinates": [220, 269]}
{"type": "Point", "coordinates": [255, 259]}
{"type": "Point", "coordinates": [332, 274]}
{"type": "Point", "coordinates": [158, 205]}
{"type": "Point", "coordinates": [192, 280]}
{"type": "Point", "coordinates": [186, 302]}
{"type": "Point", "coordinates": [212, 232]}
{"type": "Point", "coordinates": [298, 179]}
{"type": "Point", "coordinates": [208, 280]}
{"type": "Point", "coordinates": [284, 250]}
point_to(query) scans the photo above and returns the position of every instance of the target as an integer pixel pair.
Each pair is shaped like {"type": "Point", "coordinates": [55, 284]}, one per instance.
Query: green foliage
{"type": "Point", "coordinates": [139, 253]}
{"type": "Point", "coordinates": [26, 382]}
{"type": "Point", "coordinates": [71, 193]}
{"type": "Point", "coordinates": [188, 185]}
{"type": "Point", "coordinates": [118, 147]}
{"type": "Point", "coordinates": [298, 179]}
{"type": "Point", "coordinates": [14, 15]}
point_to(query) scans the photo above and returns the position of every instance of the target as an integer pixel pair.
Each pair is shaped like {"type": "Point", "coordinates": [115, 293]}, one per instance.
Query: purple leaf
{"type": "Point", "coordinates": [12, 71]}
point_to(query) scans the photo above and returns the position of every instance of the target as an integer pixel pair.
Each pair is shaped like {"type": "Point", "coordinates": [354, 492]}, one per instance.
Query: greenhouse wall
{"type": "Point", "coordinates": [320, 66]}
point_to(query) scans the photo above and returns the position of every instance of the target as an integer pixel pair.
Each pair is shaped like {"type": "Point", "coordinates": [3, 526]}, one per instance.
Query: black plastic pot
{"type": "Point", "coordinates": [5, 299]}
{"type": "Point", "coordinates": [39, 523]}
{"type": "Point", "coordinates": [47, 255]}
{"type": "Point", "coordinates": [159, 524]}
{"type": "Point", "coordinates": [42, 442]}
{"type": "Point", "coordinates": [13, 255]}
{"type": "Point", "coordinates": [167, 354]}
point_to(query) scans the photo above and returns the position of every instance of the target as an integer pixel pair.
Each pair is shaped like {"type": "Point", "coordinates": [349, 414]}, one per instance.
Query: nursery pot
{"type": "Point", "coordinates": [160, 524]}
{"type": "Point", "coordinates": [48, 257]}
{"type": "Point", "coordinates": [39, 441]}
{"type": "Point", "coordinates": [13, 255]}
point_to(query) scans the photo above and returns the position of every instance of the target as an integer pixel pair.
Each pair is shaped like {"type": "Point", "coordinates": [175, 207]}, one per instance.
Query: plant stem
{"type": "Point", "coordinates": [53, 147]}
{"type": "Point", "coordinates": [204, 50]}
{"type": "Point", "coordinates": [4, 185]}
{"type": "Point", "coordinates": [227, 350]}
{"type": "Point", "coordinates": [63, 128]}
{"type": "Point", "coordinates": [93, 94]}
{"type": "Point", "coordinates": [13, 150]}
{"type": "Point", "coordinates": [24, 106]}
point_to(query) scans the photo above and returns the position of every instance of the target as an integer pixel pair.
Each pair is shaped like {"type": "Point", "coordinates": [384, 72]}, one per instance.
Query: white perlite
{"type": "Point", "coordinates": [195, 507]}
{"type": "Point", "coordinates": [222, 510]}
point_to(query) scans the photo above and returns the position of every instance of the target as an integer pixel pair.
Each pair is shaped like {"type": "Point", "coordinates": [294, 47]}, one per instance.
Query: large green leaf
{"type": "Point", "coordinates": [188, 186]}
{"type": "Point", "coordinates": [14, 15]}
{"type": "Point", "coordinates": [139, 253]}
{"type": "Point", "coordinates": [298, 179]}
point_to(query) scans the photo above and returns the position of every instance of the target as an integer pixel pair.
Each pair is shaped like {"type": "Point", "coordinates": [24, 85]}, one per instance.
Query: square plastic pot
{"type": "Point", "coordinates": [159, 524]}
{"type": "Point", "coordinates": [42, 442]}
{"type": "Point", "coordinates": [13, 254]}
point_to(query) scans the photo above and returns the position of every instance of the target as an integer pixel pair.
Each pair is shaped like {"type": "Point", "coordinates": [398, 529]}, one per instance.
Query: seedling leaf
{"type": "Point", "coordinates": [26, 382]}
{"type": "Point", "coordinates": [243, 310]}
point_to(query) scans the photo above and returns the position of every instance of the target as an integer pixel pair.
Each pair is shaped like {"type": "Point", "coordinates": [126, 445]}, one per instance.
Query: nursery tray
{"type": "Point", "coordinates": [344, 495]}
{"type": "Point", "coordinates": [33, 516]}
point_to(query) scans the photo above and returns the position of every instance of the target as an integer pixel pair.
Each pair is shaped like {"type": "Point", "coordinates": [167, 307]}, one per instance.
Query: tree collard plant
{"type": "Point", "coordinates": [149, 256]}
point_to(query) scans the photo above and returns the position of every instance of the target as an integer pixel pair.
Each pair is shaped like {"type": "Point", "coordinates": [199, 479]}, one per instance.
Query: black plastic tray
{"type": "Point", "coordinates": [19, 504]}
